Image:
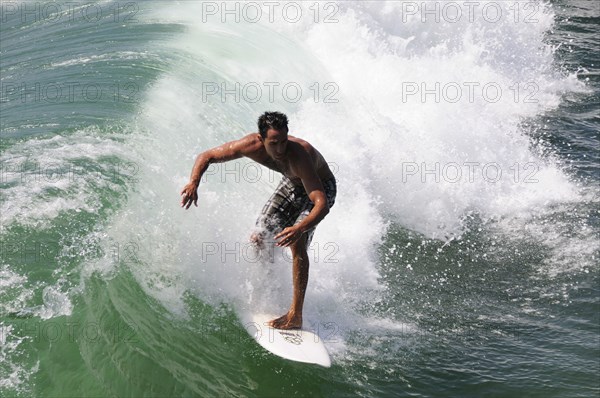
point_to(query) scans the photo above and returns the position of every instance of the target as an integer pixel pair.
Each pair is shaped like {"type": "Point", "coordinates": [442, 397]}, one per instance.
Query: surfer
{"type": "Point", "coordinates": [301, 200]}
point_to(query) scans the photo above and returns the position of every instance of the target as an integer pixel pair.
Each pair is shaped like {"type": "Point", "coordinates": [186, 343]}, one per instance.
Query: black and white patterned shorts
{"type": "Point", "coordinates": [289, 205]}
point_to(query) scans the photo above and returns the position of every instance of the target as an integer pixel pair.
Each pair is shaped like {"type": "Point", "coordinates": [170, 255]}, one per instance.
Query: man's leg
{"type": "Point", "coordinates": [293, 319]}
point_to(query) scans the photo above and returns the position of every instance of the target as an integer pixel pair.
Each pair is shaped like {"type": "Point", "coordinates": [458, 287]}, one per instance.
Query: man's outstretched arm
{"type": "Point", "coordinates": [223, 153]}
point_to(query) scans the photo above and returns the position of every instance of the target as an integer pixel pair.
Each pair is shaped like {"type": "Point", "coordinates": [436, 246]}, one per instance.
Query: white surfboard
{"type": "Point", "coordinates": [297, 345]}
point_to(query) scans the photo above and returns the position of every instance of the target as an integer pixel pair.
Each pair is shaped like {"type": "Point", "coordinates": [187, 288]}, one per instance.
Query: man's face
{"type": "Point", "coordinates": [276, 143]}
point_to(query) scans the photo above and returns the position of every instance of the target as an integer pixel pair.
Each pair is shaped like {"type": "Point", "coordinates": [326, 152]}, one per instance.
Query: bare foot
{"type": "Point", "coordinates": [287, 321]}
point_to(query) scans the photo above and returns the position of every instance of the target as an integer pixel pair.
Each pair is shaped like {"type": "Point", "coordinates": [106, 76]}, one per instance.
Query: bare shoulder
{"type": "Point", "coordinates": [302, 146]}
{"type": "Point", "coordinates": [305, 144]}
{"type": "Point", "coordinates": [250, 143]}
{"type": "Point", "coordinates": [299, 149]}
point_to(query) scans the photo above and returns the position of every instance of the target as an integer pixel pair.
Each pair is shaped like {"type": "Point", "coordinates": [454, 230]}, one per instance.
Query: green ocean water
{"type": "Point", "coordinates": [108, 288]}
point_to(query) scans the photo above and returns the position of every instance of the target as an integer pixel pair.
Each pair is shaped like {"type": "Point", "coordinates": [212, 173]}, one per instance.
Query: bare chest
{"type": "Point", "coordinates": [280, 167]}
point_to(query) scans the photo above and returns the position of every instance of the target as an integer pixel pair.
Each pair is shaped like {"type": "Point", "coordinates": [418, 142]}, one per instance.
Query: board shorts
{"type": "Point", "coordinates": [289, 205]}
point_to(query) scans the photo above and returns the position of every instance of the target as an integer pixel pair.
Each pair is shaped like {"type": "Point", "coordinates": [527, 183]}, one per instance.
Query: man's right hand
{"type": "Point", "coordinates": [190, 194]}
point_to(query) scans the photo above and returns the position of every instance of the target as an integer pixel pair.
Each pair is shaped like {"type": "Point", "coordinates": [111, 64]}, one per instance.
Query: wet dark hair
{"type": "Point", "coordinates": [272, 120]}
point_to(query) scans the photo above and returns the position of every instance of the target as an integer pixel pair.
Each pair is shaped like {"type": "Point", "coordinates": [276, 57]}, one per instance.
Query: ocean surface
{"type": "Point", "coordinates": [461, 258]}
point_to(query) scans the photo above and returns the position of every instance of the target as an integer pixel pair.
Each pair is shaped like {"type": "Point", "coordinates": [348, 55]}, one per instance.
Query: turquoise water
{"type": "Point", "coordinates": [424, 282]}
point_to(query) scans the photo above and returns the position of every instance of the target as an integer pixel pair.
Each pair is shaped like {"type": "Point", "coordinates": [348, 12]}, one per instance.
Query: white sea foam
{"type": "Point", "coordinates": [15, 375]}
{"type": "Point", "coordinates": [35, 168]}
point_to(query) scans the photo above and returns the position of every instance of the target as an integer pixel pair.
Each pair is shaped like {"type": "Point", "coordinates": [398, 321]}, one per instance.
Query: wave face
{"type": "Point", "coordinates": [463, 240]}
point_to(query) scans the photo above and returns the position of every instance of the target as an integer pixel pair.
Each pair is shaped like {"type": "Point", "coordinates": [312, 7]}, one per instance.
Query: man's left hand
{"type": "Point", "coordinates": [288, 236]}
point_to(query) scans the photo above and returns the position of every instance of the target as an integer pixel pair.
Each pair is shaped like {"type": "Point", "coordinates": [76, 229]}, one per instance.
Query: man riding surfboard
{"type": "Point", "coordinates": [301, 200]}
